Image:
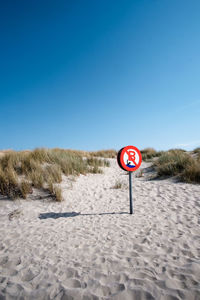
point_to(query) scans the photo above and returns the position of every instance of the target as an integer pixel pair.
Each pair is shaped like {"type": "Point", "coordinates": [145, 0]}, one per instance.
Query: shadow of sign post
{"type": "Point", "coordinates": [54, 215]}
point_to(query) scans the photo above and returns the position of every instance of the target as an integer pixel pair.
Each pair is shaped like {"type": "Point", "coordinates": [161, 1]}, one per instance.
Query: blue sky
{"type": "Point", "coordinates": [100, 74]}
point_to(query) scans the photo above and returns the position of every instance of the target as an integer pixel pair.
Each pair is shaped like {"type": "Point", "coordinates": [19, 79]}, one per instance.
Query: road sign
{"type": "Point", "coordinates": [129, 158]}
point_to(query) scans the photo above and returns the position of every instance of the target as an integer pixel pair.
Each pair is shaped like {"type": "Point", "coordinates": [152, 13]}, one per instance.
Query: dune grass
{"type": "Point", "coordinates": [149, 153]}
{"type": "Point", "coordinates": [197, 150]}
{"type": "Point", "coordinates": [10, 185]}
{"type": "Point", "coordinates": [178, 163]}
{"type": "Point", "coordinates": [98, 162]}
{"type": "Point", "coordinates": [192, 173]}
{"type": "Point", "coordinates": [55, 191]}
{"type": "Point", "coordinates": [104, 153]}
{"type": "Point", "coordinates": [42, 168]}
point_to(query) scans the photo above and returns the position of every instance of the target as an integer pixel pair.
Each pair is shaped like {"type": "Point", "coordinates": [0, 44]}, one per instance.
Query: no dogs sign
{"type": "Point", "coordinates": [129, 158]}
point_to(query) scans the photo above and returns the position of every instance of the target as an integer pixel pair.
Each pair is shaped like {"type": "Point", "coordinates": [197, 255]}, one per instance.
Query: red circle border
{"type": "Point", "coordinates": [122, 161]}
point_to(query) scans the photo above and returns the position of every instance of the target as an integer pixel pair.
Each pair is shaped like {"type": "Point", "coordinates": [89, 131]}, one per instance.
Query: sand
{"type": "Point", "coordinates": [89, 247]}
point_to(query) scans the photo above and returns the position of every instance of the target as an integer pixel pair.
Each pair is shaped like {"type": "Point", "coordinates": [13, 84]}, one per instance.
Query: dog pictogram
{"type": "Point", "coordinates": [129, 158]}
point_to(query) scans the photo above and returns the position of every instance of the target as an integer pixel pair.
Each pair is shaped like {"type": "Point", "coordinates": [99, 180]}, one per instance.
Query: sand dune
{"type": "Point", "coordinates": [89, 247]}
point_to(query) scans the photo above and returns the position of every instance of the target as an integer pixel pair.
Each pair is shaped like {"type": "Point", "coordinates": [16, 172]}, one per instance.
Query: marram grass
{"type": "Point", "coordinates": [43, 168]}
{"type": "Point", "coordinates": [178, 163]}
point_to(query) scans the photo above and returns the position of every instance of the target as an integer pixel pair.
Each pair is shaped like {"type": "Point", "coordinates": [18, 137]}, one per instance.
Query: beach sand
{"type": "Point", "coordinates": [90, 247]}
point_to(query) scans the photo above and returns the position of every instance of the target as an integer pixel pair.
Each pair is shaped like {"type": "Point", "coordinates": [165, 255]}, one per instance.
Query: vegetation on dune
{"type": "Point", "coordinates": [42, 168]}
{"type": "Point", "coordinates": [104, 153]}
{"type": "Point", "coordinates": [55, 191]}
{"type": "Point", "coordinates": [95, 170]}
{"type": "Point", "coordinates": [25, 188]}
{"type": "Point", "coordinates": [192, 173]}
{"type": "Point", "coordinates": [177, 149]}
{"type": "Point", "coordinates": [10, 185]}
{"type": "Point", "coordinates": [196, 150]}
{"type": "Point", "coordinates": [97, 162]}
{"type": "Point", "coordinates": [198, 157]}
{"type": "Point", "coordinates": [149, 153]}
{"type": "Point", "coordinates": [173, 163]}
{"type": "Point", "coordinates": [178, 163]}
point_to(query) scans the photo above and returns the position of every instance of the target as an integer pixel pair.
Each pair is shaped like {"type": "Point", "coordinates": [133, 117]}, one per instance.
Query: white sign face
{"type": "Point", "coordinates": [131, 158]}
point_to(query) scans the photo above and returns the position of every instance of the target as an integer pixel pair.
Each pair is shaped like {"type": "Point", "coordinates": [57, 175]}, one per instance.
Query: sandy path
{"type": "Point", "coordinates": [89, 247]}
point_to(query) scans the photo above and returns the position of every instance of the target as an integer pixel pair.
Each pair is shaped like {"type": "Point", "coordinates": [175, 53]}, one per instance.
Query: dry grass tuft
{"type": "Point", "coordinates": [95, 170]}
{"type": "Point", "coordinates": [198, 157]}
{"type": "Point", "coordinates": [92, 161]}
{"type": "Point", "coordinates": [104, 153]}
{"type": "Point", "coordinates": [149, 153]}
{"type": "Point", "coordinates": [53, 173]}
{"type": "Point", "coordinates": [118, 185]}
{"type": "Point", "coordinates": [37, 178]}
{"type": "Point", "coordinates": [55, 191]}
{"type": "Point", "coordinates": [10, 185]}
{"type": "Point", "coordinates": [191, 174]}
{"type": "Point", "coordinates": [178, 163]}
{"type": "Point", "coordinates": [177, 149]}
{"type": "Point", "coordinates": [106, 163]}
{"type": "Point", "coordinates": [172, 163]}
{"type": "Point", "coordinates": [41, 166]}
{"type": "Point", "coordinates": [95, 163]}
{"type": "Point", "coordinates": [58, 194]}
{"type": "Point", "coordinates": [25, 188]}
{"type": "Point", "coordinates": [196, 150]}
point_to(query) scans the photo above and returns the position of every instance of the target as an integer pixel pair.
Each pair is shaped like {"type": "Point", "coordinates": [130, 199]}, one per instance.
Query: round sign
{"type": "Point", "coordinates": [129, 158]}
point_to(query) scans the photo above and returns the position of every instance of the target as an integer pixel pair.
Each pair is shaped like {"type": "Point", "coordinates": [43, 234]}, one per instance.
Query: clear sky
{"type": "Point", "coordinates": [99, 74]}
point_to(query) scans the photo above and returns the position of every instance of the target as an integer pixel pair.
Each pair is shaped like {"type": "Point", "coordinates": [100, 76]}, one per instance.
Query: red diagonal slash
{"type": "Point", "coordinates": [131, 156]}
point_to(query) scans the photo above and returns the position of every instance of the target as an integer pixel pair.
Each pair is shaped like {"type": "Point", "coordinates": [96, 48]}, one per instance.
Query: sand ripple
{"type": "Point", "coordinates": [89, 247]}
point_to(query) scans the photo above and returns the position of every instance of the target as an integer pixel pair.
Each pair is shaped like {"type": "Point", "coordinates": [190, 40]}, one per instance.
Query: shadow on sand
{"type": "Point", "coordinates": [54, 215]}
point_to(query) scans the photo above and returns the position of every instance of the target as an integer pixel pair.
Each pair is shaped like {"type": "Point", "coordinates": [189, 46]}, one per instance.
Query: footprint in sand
{"type": "Point", "coordinates": [134, 294]}
{"type": "Point", "coordinates": [28, 275]}
{"type": "Point", "coordinates": [73, 283]}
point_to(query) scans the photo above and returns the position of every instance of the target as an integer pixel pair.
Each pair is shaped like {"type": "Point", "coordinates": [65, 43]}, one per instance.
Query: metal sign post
{"type": "Point", "coordinates": [130, 192]}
